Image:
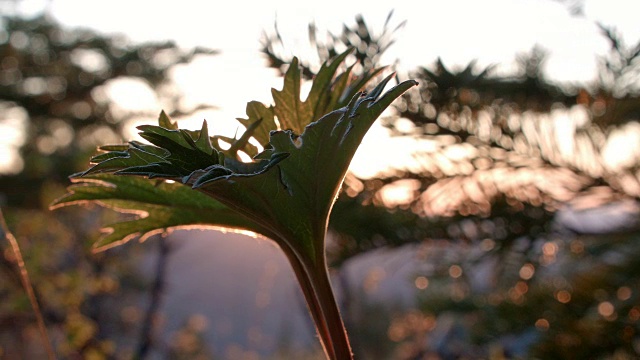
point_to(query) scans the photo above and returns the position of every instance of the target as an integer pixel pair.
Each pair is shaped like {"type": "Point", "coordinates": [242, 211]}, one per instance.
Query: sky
{"type": "Point", "coordinates": [492, 31]}
{"type": "Point", "coordinates": [458, 31]}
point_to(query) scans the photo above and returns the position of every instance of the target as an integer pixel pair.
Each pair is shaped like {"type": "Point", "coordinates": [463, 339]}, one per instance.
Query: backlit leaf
{"type": "Point", "coordinates": [294, 197]}
{"type": "Point", "coordinates": [159, 206]}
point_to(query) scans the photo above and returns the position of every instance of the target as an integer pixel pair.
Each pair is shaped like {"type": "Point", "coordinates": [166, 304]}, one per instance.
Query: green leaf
{"type": "Point", "coordinates": [259, 122]}
{"type": "Point", "coordinates": [352, 86]}
{"type": "Point", "coordinates": [293, 113]}
{"type": "Point", "coordinates": [122, 147]}
{"type": "Point", "coordinates": [175, 155]}
{"type": "Point", "coordinates": [293, 198]}
{"type": "Point", "coordinates": [328, 92]}
{"type": "Point", "coordinates": [285, 194]}
{"type": "Point", "coordinates": [165, 121]}
{"type": "Point", "coordinates": [134, 157]}
{"type": "Point", "coordinates": [159, 205]}
{"type": "Point", "coordinates": [321, 89]}
{"type": "Point", "coordinates": [287, 191]}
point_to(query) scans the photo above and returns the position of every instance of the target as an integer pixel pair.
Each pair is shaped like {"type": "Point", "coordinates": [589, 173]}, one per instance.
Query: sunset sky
{"type": "Point", "coordinates": [458, 31]}
{"type": "Point", "coordinates": [491, 31]}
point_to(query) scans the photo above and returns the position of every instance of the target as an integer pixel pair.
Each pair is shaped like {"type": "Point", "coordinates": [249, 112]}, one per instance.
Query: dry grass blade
{"type": "Point", "coordinates": [26, 283]}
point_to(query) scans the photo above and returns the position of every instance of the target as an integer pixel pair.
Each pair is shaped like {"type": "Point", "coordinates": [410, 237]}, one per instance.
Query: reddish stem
{"type": "Point", "coordinates": [316, 288]}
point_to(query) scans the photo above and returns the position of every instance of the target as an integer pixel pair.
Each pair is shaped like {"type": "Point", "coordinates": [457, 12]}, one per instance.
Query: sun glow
{"type": "Point", "coordinates": [226, 81]}
{"type": "Point", "coordinates": [13, 124]}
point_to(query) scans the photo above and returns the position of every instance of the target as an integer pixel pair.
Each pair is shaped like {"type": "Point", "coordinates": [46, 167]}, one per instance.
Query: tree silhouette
{"type": "Point", "coordinates": [54, 80]}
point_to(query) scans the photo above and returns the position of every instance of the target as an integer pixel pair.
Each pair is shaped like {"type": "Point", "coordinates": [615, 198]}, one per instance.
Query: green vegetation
{"type": "Point", "coordinates": [285, 194]}
{"type": "Point", "coordinates": [502, 276]}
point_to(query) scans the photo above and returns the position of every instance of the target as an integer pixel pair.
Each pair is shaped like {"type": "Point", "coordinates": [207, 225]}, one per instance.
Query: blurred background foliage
{"type": "Point", "coordinates": [499, 158]}
{"type": "Point", "coordinates": [56, 96]}
{"type": "Point", "coordinates": [58, 82]}
{"type": "Point", "coordinates": [498, 166]}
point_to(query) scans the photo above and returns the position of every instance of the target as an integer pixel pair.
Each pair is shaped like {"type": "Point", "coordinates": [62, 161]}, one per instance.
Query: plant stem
{"type": "Point", "coordinates": [316, 288]}
{"type": "Point", "coordinates": [331, 313]}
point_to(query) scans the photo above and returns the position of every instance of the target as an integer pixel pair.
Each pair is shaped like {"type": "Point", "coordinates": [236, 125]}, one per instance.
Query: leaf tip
{"type": "Point", "coordinates": [165, 121]}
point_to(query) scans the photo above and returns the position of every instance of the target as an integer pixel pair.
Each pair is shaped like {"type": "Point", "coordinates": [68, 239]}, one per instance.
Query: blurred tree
{"type": "Point", "coordinates": [368, 46]}
{"type": "Point", "coordinates": [54, 95]}
{"type": "Point", "coordinates": [575, 7]}
{"type": "Point", "coordinates": [55, 86]}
